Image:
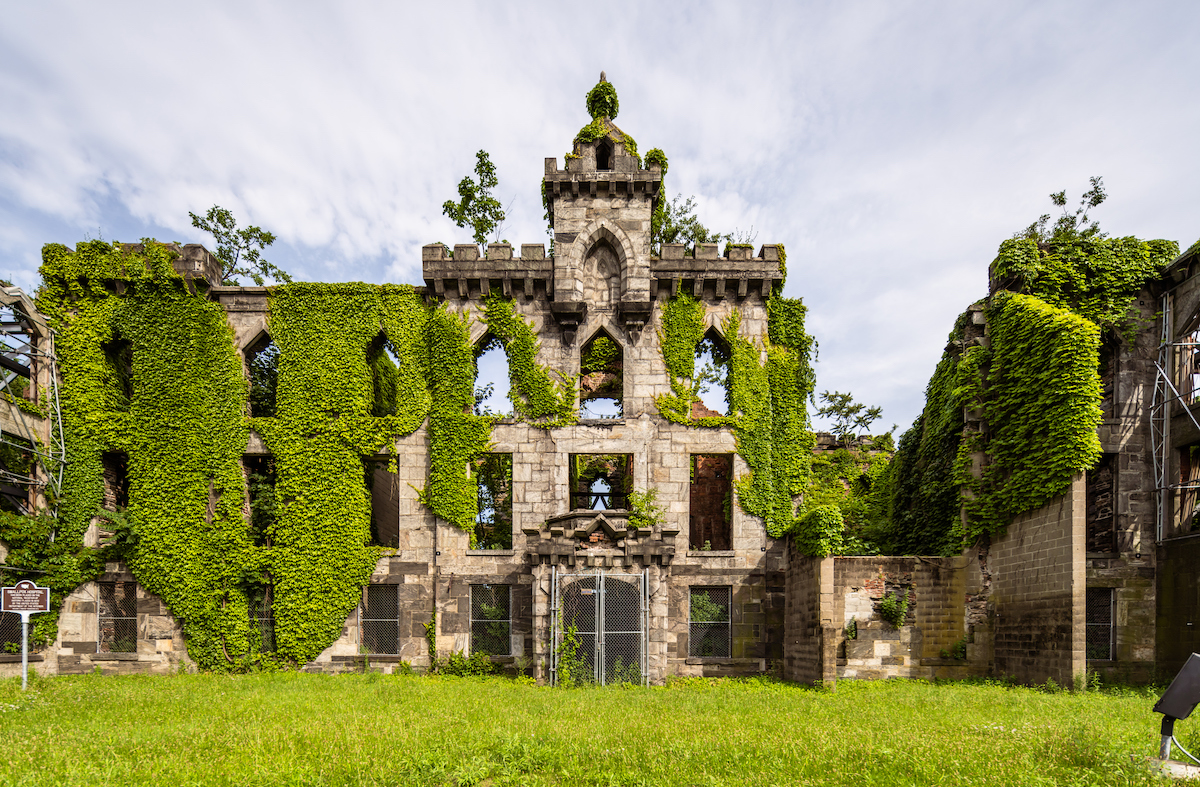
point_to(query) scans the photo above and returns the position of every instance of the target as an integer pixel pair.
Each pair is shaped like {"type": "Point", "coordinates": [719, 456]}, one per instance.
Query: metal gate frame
{"type": "Point", "coordinates": [599, 647]}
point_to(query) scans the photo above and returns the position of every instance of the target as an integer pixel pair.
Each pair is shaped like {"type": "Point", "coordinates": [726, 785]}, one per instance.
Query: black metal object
{"type": "Point", "coordinates": [1181, 697]}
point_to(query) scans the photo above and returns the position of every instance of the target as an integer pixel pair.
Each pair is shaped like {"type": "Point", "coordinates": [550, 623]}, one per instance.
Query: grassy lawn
{"type": "Point", "coordinates": [296, 729]}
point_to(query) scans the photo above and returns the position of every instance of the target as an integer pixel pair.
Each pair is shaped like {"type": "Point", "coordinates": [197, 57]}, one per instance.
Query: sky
{"type": "Point", "coordinates": [891, 146]}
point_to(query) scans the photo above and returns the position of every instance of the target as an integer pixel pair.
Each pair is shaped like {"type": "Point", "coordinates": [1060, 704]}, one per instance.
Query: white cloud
{"type": "Point", "coordinates": [890, 145]}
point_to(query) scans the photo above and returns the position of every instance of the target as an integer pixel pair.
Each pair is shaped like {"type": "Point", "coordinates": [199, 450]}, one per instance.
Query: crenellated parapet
{"type": "Point", "coordinates": [709, 276]}
{"type": "Point", "coordinates": [468, 274]}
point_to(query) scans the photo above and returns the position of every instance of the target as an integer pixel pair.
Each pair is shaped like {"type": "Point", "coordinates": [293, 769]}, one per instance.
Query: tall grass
{"type": "Point", "coordinates": [297, 729]}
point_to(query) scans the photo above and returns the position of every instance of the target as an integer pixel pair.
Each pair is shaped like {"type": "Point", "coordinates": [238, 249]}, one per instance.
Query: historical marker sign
{"type": "Point", "coordinates": [25, 597]}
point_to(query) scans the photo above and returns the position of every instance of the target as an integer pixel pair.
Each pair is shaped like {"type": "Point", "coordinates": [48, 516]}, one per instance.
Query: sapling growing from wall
{"type": "Point", "coordinates": [476, 207]}
{"type": "Point", "coordinates": [239, 250]}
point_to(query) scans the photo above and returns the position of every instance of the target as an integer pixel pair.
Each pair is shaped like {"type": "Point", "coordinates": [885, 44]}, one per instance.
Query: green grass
{"type": "Point", "coordinates": [296, 729]}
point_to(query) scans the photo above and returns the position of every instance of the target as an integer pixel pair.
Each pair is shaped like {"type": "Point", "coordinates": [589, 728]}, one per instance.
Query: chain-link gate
{"type": "Point", "coordinates": [598, 625]}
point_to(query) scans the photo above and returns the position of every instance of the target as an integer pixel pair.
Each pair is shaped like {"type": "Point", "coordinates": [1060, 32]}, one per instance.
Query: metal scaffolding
{"type": "Point", "coordinates": [1166, 394]}
{"type": "Point", "coordinates": [28, 384]}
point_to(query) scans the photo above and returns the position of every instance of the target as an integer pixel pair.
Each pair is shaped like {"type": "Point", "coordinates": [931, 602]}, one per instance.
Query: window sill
{"type": "Point", "coordinates": [15, 658]}
{"type": "Point", "coordinates": [113, 656]}
{"type": "Point", "coordinates": [491, 552]}
{"type": "Point", "coordinates": [712, 553]}
{"type": "Point", "coordinates": [719, 660]}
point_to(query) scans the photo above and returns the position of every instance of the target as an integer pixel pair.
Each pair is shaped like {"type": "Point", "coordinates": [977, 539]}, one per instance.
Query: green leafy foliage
{"type": "Point", "coordinates": [819, 531]}
{"type": "Point", "coordinates": [849, 417]}
{"type": "Point", "coordinates": [855, 481]}
{"type": "Point", "coordinates": [1069, 226]}
{"type": "Point", "coordinates": [476, 207]}
{"type": "Point", "coordinates": [894, 608]}
{"type": "Point", "coordinates": [767, 400]}
{"type": "Point", "coordinates": [535, 396]}
{"type": "Point", "coordinates": [602, 100]}
{"type": "Point", "coordinates": [644, 510]}
{"type": "Point", "coordinates": [676, 222]}
{"type": "Point", "coordinates": [239, 250]}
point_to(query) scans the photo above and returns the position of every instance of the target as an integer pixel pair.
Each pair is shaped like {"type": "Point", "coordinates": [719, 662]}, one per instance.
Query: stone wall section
{"type": "Point", "coordinates": [1038, 588]}
{"type": "Point", "coordinates": [810, 636]}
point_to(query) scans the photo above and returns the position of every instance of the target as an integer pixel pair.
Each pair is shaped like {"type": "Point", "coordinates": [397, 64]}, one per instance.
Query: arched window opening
{"type": "Point", "coordinates": [604, 155]}
{"type": "Point", "coordinates": [118, 354]}
{"type": "Point", "coordinates": [492, 384]}
{"type": "Point", "coordinates": [493, 523]}
{"type": "Point", "coordinates": [384, 368]}
{"type": "Point", "coordinates": [601, 482]}
{"type": "Point", "coordinates": [262, 361]}
{"type": "Point", "coordinates": [601, 378]}
{"type": "Point", "coordinates": [712, 376]}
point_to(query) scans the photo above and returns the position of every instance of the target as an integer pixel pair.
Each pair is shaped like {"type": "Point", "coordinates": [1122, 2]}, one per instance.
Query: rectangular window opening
{"type": "Point", "coordinates": [18, 356]}
{"type": "Point", "coordinates": [491, 619]}
{"type": "Point", "coordinates": [115, 473]}
{"type": "Point", "coordinates": [260, 497]}
{"type": "Point", "coordinates": [1099, 623]}
{"type": "Point", "coordinates": [710, 629]}
{"type": "Point", "coordinates": [383, 493]}
{"type": "Point", "coordinates": [1101, 505]}
{"type": "Point", "coordinates": [493, 522]}
{"type": "Point", "coordinates": [601, 482]}
{"type": "Point", "coordinates": [117, 617]}
{"type": "Point", "coordinates": [379, 619]}
{"type": "Point", "coordinates": [10, 632]}
{"type": "Point", "coordinates": [1187, 489]}
{"type": "Point", "coordinates": [262, 618]}
{"type": "Point", "coordinates": [710, 502]}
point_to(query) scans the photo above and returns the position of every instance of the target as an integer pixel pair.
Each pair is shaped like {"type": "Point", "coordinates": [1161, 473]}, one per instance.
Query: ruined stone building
{"type": "Point", "coordinates": [300, 470]}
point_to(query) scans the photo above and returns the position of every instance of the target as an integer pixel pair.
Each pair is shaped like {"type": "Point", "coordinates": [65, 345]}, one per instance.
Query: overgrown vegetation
{"type": "Point", "coordinates": [239, 250]}
{"type": "Point", "coordinates": [1057, 293]}
{"type": "Point", "coordinates": [476, 207]}
{"type": "Point", "coordinates": [208, 729]}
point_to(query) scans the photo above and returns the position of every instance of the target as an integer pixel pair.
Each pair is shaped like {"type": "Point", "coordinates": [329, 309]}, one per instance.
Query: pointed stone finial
{"type": "Point", "coordinates": [602, 77]}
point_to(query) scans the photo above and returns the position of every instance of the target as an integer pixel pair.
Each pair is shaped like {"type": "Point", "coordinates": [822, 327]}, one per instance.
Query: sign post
{"type": "Point", "coordinates": [25, 599]}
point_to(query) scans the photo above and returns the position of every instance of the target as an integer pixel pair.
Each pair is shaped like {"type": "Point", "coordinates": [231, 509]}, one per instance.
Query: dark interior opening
{"type": "Point", "coordinates": [383, 493]}
{"type": "Point", "coordinates": [118, 353]}
{"type": "Point", "coordinates": [710, 502]}
{"type": "Point", "coordinates": [16, 473]}
{"type": "Point", "coordinates": [115, 473]}
{"type": "Point", "coordinates": [604, 155]}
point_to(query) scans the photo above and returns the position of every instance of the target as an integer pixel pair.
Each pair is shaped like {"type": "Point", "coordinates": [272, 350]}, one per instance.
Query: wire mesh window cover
{"type": "Point", "coordinates": [262, 622]}
{"type": "Point", "coordinates": [380, 619]}
{"type": "Point", "coordinates": [599, 628]}
{"type": "Point", "coordinates": [117, 617]}
{"type": "Point", "coordinates": [491, 619]}
{"type": "Point", "coordinates": [1099, 624]}
{"type": "Point", "coordinates": [710, 631]}
{"type": "Point", "coordinates": [10, 632]}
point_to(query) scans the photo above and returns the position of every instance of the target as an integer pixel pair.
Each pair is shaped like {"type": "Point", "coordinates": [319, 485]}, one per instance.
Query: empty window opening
{"type": "Point", "coordinates": [492, 384]}
{"type": "Point", "coordinates": [602, 380]}
{"type": "Point", "coordinates": [18, 361]}
{"type": "Point", "coordinates": [1188, 487]}
{"type": "Point", "coordinates": [262, 618]}
{"type": "Point", "coordinates": [710, 630]}
{"type": "Point", "coordinates": [1100, 629]}
{"type": "Point", "coordinates": [260, 496]}
{"type": "Point", "coordinates": [262, 362]}
{"type": "Point", "coordinates": [710, 502]}
{"type": "Point", "coordinates": [1110, 353]}
{"type": "Point", "coordinates": [114, 471]}
{"type": "Point", "coordinates": [1189, 366]}
{"type": "Point", "coordinates": [118, 355]}
{"type": "Point", "coordinates": [379, 619]}
{"type": "Point", "coordinates": [600, 482]}
{"type": "Point", "coordinates": [493, 523]}
{"type": "Point", "coordinates": [384, 372]}
{"type": "Point", "coordinates": [712, 376]}
{"type": "Point", "coordinates": [117, 617]}
{"type": "Point", "coordinates": [604, 155]}
{"type": "Point", "coordinates": [1101, 506]}
{"type": "Point", "coordinates": [17, 473]}
{"type": "Point", "coordinates": [383, 493]}
{"type": "Point", "coordinates": [491, 620]}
